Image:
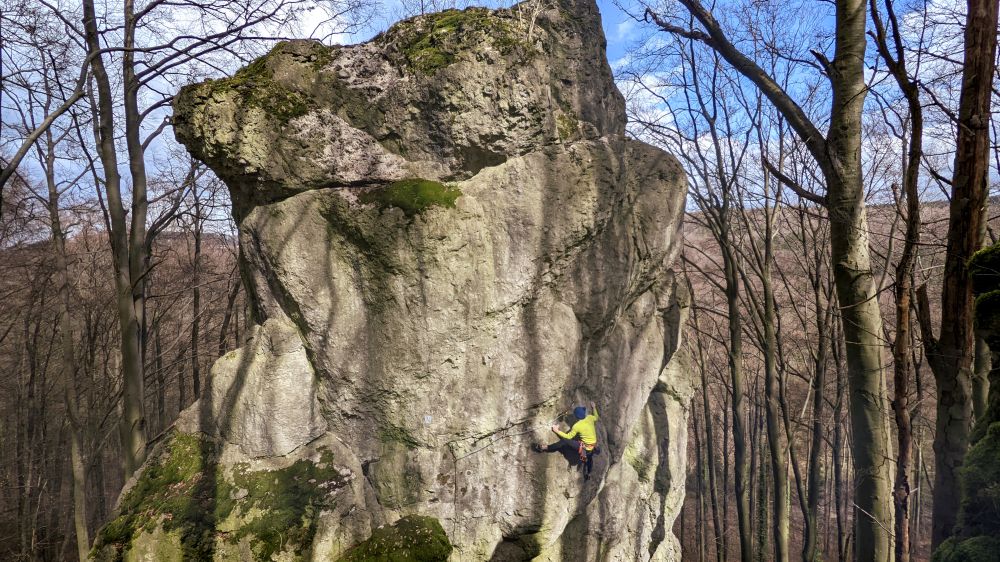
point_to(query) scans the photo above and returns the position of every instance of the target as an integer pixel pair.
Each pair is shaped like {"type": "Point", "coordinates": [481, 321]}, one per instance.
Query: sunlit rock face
{"type": "Point", "coordinates": [448, 242]}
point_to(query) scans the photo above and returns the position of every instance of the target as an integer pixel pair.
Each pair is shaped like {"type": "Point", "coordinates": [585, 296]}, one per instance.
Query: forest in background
{"type": "Point", "coordinates": [802, 245]}
{"type": "Point", "coordinates": [107, 229]}
{"type": "Point", "coordinates": [812, 378]}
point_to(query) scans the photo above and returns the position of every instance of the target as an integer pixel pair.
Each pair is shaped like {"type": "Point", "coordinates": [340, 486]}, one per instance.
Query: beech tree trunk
{"type": "Point", "coordinates": [837, 451]}
{"type": "Point", "coordinates": [70, 366]}
{"type": "Point", "coordinates": [710, 443]}
{"type": "Point", "coordinates": [902, 351]}
{"type": "Point", "coordinates": [735, 359]}
{"type": "Point", "coordinates": [133, 423]}
{"type": "Point", "coordinates": [196, 298]}
{"type": "Point", "coordinates": [227, 317]}
{"type": "Point", "coordinates": [823, 307]}
{"type": "Point", "coordinates": [838, 155]}
{"type": "Point", "coordinates": [856, 291]}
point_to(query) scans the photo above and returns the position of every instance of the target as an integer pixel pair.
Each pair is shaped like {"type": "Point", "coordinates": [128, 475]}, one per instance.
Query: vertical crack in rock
{"type": "Point", "coordinates": [448, 242]}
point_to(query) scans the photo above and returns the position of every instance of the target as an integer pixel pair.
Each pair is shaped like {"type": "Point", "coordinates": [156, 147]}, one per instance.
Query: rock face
{"type": "Point", "coordinates": [448, 243]}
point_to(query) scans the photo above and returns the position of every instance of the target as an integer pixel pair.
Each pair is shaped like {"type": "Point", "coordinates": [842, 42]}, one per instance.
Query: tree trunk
{"type": "Point", "coordinates": [71, 369]}
{"type": "Point", "coordinates": [773, 400]}
{"type": "Point", "coordinates": [735, 358]}
{"type": "Point", "coordinates": [836, 450]}
{"type": "Point", "coordinates": [196, 299]}
{"type": "Point", "coordinates": [181, 381]}
{"type": "Point", "coordinates": [917, 510]}
{"type": "Point", "coordinates": [902, 345]}
{"type": "Point", "coordinates": [161, 382]}
{"type": "Point", "coordinates": [726, 426]}
{"type": "Point", "coordinates": [839, 158]}
{"type": "Point", "coordinates": [952, 355]}
{"type": "Point", "coordinates": [710, 444]}
{"type": "Point", "coordinates": [856, 291]}
{"type": "Point", "coordinates": [700, 470]}
{"type": "Point", "coordinates": [712, 470]}
{"type": "Point", "coordinates": [761, 503]}
{"type": "Point", "coordinates": [79, 495]}
{"type": "Point", "coordinates": [862, 324]}
{"type": "Point", "coordinates": [133, 422]}
{"type": "Point", "coordinates": [137, 256]}
{"type": "Point", "coordinates": [810, 548]}
{"type": "Point", "coordinates": [227, 317]}
{"type": "Point", "coordinates": [901, 407]}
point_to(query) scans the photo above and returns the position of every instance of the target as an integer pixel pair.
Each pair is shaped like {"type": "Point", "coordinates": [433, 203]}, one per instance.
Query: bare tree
{"type": "Point", "coordinates": [895, 60]}
{"type": "Point", "coordinates": [838, 155]}
{"type": "Point", "coordinates": [713, 193]}
{"type": "Point", "coordinates": [951, 354]}
{"type": "Point", "coordinates": [44, 102]}
{"type": "Point", "coordinates": [130, 233]}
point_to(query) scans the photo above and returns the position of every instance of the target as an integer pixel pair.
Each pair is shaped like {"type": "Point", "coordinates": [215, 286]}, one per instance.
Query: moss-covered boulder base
{"type": "Point", "coordinates": [447, 242]}
{"type": "Point", "coordinates": [186, 506]}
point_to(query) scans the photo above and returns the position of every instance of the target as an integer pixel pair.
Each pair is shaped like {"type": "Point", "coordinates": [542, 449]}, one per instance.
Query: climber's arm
{"type": "Point", "coordinates": [572, 432]}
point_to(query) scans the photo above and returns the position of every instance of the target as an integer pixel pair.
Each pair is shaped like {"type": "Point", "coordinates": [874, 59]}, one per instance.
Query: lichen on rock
{"type": "Point", "coordinates": [411, 539]}
{"type": "Point", "coordinates": [445, 245]}
{"type": "Point", "coordinates": [184, 504]}
{"type": "Point", "coordinates": [434, 41]}
{"type": "Point", "coordinates": [166, 498]}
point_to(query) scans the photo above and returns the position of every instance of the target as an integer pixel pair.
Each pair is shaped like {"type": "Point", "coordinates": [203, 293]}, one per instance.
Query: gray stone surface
{"type": "Point", "coordinates": [433, 347]}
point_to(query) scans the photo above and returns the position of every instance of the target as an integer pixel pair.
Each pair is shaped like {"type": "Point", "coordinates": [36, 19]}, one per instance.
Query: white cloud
{"type": "Point", "coordinates": [625, 30]}
{"type": "Point", "coordinates": [318, 22]}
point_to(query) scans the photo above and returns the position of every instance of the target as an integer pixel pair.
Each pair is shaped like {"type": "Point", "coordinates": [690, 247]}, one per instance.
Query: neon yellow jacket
{"type": "Point", "coordinates": [585, 428]}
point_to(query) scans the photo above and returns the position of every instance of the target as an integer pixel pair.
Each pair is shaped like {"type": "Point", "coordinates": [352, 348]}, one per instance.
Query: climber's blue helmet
{"type": "Point", "coordinates": [580, 412]}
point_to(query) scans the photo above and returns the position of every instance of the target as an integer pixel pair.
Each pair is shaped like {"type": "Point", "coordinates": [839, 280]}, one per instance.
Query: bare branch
{"type": "Point", "coordinates": [793, 185]}
{"type": "Point", "coordinates": [718, 41]}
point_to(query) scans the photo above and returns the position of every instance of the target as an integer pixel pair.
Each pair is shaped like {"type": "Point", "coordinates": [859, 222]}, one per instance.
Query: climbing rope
{"type": "Point", "coordinates": [455, 459]}
{"type": "Point", "coordinates": [509, 435]}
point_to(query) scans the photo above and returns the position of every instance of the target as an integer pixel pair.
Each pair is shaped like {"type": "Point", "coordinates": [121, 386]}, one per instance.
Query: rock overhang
{"type": "Point", "coordinates": [439, 96]}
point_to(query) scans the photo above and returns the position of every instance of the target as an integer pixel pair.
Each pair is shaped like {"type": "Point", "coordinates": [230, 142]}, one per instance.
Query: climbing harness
{"type": "Point", "coordinates": [585, 451]}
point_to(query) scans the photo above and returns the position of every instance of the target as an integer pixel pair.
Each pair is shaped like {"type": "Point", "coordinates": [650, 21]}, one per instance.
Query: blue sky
{"type": "Point", "coordinates": [619, 28]}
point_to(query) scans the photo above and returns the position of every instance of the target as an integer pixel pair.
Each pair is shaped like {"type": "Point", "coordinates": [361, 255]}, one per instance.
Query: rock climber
{"type": "Point", "coordinates": [581, 438]}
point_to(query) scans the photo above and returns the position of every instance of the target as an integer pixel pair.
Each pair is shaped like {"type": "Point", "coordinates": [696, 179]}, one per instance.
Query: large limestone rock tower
{"type": "Point", "coordinates": [448, 241]}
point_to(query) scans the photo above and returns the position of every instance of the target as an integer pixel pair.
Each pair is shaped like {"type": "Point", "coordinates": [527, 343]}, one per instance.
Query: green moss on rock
{"type": "Point", "coordinates": [976, 549]}
{"type": "Point", "coordinates": [397, 434]}
{"type": "Point", "coordinates": [168, 493]}
{"type": "Point", "coordinates": [977, 537]}
{"type": "Point", "coordinates": [276, 508]}
{"type": "Point", "coordinates": [981, 486]}
{"type": "Point", "coordinates": [255, 84]}
{"type": "Point", "coordinates": [413, 196]}
{"type": "Point", "coordinates": [639, 463]}
{"type": "Point", "coordinates": [984, 268]}
{"type": "Point", "coordinates": [413, 538]}
{"type": "Point", "coordinates": [185, 494]}
{"type": "Point", "coordinates": [987, 314]}
{"type": "Point", "coordinates": [159, 545]}
{"type": "Point", "coordinates": [434, 41]}
{"type": "Point", "coordinates": [566, 125]}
